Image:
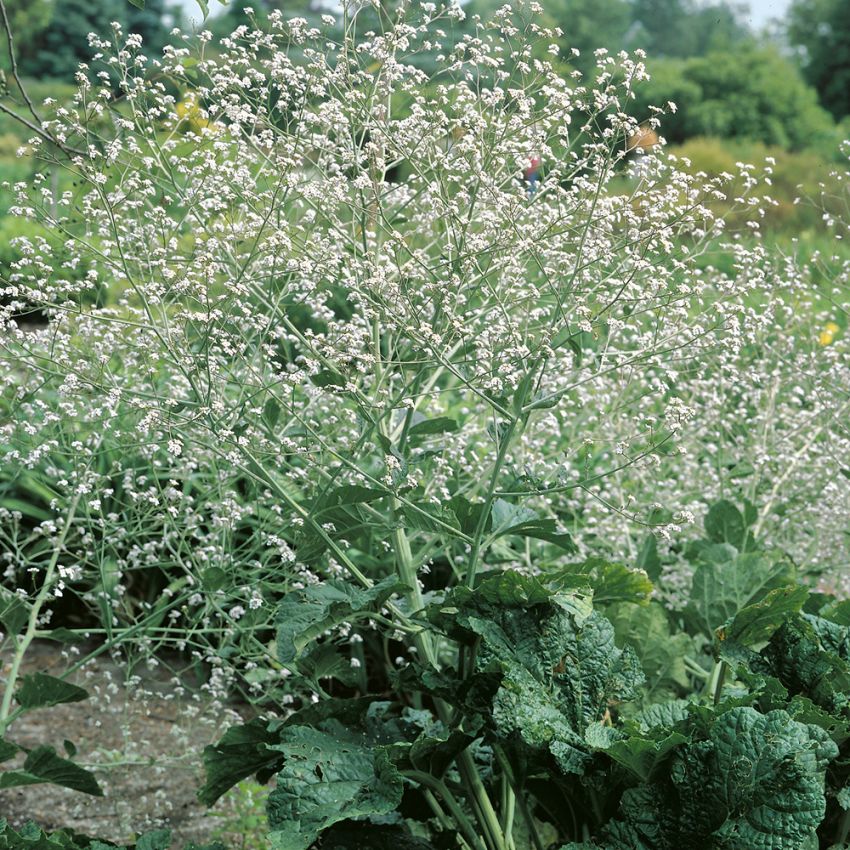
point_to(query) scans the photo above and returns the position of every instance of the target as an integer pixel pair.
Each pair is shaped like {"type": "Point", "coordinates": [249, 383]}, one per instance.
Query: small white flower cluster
{"type": "Point", "coordinates": [310, 281]}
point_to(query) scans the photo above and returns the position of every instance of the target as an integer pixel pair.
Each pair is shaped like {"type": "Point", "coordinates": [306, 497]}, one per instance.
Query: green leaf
{"type": "Point", "coordinates": [427, 427]}
{"type": "Point", "coordinates": [755, 623]}
{"type": "Point", "coordinates": [271, 413]}
{"type": "Point", "coordinates": [648, 560]}
{"type": "Point", "coordinates": [756, 782]}
{"type": "Point", "coordinates": [326, 662]}
{"type": "Point", "coordinates": [326, 378]}
{"type": "Point", "coordinates": [514, 519]}
{"type": "Point", "coordinates": [139, 4]}
{"type": "Point", "coordinates": [810, 657]}
{"type": "Point", "coordinates": [14, 611]}
{"type": "Point", "coordinates": [725, 583]}
{"type": "Point", "coordinates": [43, 765]}
{"type": "Point", "coordinates": [610, 581]}
{"type": "Point", "coordinates": [325, 779]}
{"type": "Point", "coordinates": [646, 629]}
{"type": "Point", "coordinates": [642, 756]}
{"type": "Point", "coordinates": [724, 523]}
{"type": "Point", "coordinates": [7, 750]}
{"type": "Point", "coordinates": [546, 665]}
{"type": "Point", "coordinates": [368, 836]}
{"type": "Point", "coordinates": [159, 839]}
{"type": "Point", "coordinates": [305, 614]}
{"type": "Point", "coordinates": [39, 690]}
{"type": "Point", "coordinates": [241, 752]}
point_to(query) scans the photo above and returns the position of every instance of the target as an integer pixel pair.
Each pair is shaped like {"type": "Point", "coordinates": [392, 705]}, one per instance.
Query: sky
{"type": "Point", "coordinates": [761, 11]}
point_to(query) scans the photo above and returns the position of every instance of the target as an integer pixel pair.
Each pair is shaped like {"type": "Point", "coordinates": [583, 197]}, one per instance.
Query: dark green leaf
{"type": "Point", "coordinates": [271, 413]}
{"type": "Point", "coordinates": [325, 378]}
{"type": "Point", "coordinates": [755, 623]}
{"type": "Point", "coordinates": [427, 427]}
{"type": "Point", "coordinates": [242, 751]}
{"type": "Point", "coordinates": [326, 778]}
{"type": "Point", "coordinates": [14, 611]}
{"type": "Point", "coordinates": [305, 614]}
{"type": "Point", "coordinates": [43, 765]}
{"type": "Point", "coordinates": [724, 523]}
{"type": "Point", "coordinates": [39, 690]}
{"type": "Point", "coordinates": [7, 750]}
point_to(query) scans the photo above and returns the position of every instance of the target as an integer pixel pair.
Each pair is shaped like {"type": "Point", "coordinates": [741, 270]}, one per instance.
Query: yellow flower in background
{"type": "Point", "coordinates": [827, 335]}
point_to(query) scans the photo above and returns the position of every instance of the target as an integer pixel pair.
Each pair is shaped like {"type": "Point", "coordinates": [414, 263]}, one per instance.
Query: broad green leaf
{"type": "Point", "coordinates": [241, 752]}
{"type": "Point", "coordinates": [646, 629]}
{"type": "Point", "coordinates": [305, 614]}
{"type": "Point", "coordinates": [326, 378]}
{"type": "Point", "coordinates": [756, 783]}
{"type": "Point", "coordinates": [428, 427]}
{"type": "Point", "coordinates": [722, 588]}
{"type": "Point", "coordinates": [547, 666]}
{"type": "Point", "coordinates": [641, 756]}
{"type": "Point", "coordinates": [159, 839]}
{"type": "Point", "coordinates": [505, 516]}
{"type": "Point", "coordinates": [39, 690]}
{"type": "Point", "coordinates": [808, 660]}
{"type": "Point", "coordinates": [724, 523]}
{"type": "Point", "coordinates": [360, 836]}
{"type": "Point", "coordinates": [271, 413]}
{"type": "Point", "coordinates": [43, 765]}
{"type": "Point", "coordinates": [139, 4]}
{"type": "Point", "coordinates": [768, 804]}
{"type": "Point", "coordinates": [327, 778]}
{"type": "Point", "coordinates": [610, 581]}
{"type": "Point", "coordinates": [524, 522]}
{"type": "Point", "coordinates": [326, 662]}
{"type": "Point", "coordinates": [755, 623]}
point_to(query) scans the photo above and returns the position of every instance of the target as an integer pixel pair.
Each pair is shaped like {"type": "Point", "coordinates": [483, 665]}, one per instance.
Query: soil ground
{"type": "Point", "coordinates": [144, 744]}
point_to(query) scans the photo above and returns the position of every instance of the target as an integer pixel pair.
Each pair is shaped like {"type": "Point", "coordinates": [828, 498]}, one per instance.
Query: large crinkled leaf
{"type": "Point", "coordinates": [39, 690]}
{"type": "Point", "coordinates": [547, 665]}
{"type": "Point", "coordinates": [756, 783]}
{"type": "Point", "coordinates": [305, 614]}
{"type": "Point", "coordinates": [610, 581]}
{"type": "Point", "coordinates": [724, 583]}
{"type": "Point", "coordinates": [772, 771]}
{"type": "Point", "coordinates": [43, 765]}
{"type": "Point", "coordinates": [756, 622]}
{"type": "Point", "coordinates": [327, 778]}
{"type": "Point", "coordinates": [241, 752]}
{"type": "Point", "coordinates": [809, 656]}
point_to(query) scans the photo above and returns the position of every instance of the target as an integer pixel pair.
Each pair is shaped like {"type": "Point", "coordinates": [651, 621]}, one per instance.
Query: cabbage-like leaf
{"type": "Point", "coordinates": [327, 778]}
{"type": "Point", "coordinates": [307, 613]}
{"type": "Point", "coordinates": [757, 782]}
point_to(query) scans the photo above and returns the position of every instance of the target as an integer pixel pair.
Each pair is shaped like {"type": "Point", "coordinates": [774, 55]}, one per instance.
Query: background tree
{"type": "Point", "coordinates": [683, 28]}
{"type": "Point", "coordinates": [27, 19]}
{"type": "Point", "coordinates": [753, 93]}
{"type": "Point", "coordinates": [821, 28]}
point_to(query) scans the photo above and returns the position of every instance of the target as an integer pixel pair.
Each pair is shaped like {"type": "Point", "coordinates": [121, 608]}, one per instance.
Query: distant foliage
{"type": "Point", "coordinates": [752, 93]}
{"type": "Point", "coordinates": [822, 29]}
